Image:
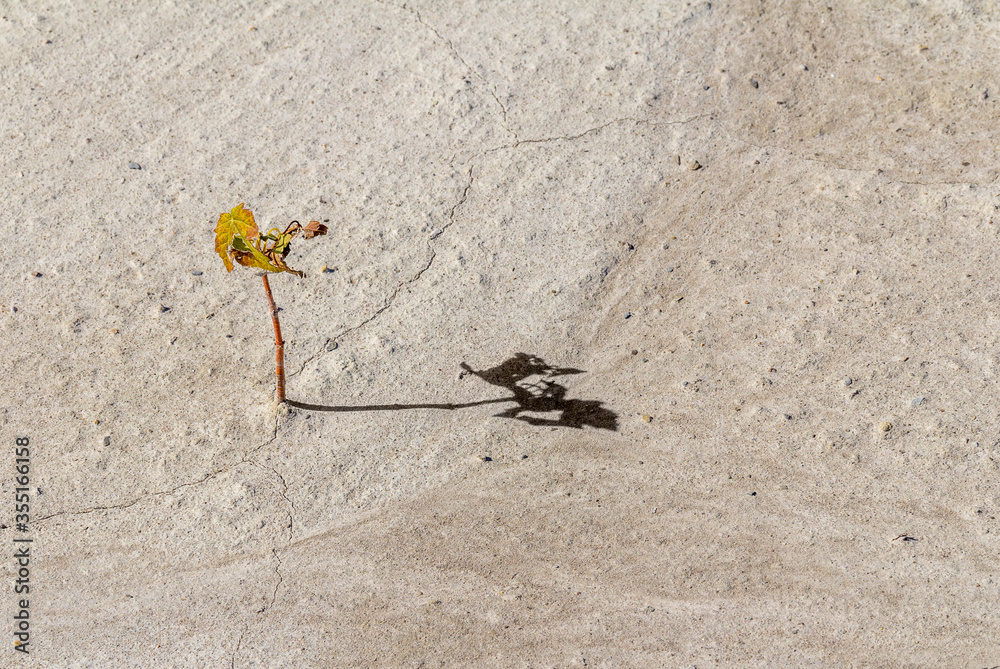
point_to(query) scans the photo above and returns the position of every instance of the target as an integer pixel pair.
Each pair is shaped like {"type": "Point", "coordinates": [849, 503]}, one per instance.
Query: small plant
{"type": "Point", "coordinates": [238, 240]}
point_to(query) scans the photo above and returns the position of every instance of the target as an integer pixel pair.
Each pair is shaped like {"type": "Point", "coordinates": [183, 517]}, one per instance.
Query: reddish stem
{"type": "Point", "coordinates": [278, 342]}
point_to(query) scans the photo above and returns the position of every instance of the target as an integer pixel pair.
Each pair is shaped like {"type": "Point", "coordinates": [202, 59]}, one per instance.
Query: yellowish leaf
{"type": "Point", "coordinates": [237, 224]}
{"type": "Point", "coordinates": [238, 240]}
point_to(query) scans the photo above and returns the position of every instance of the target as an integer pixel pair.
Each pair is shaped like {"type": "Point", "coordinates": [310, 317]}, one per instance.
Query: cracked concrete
{"type": "Point", "coordinates": [207, 477]}
{"type": "Point", "coordinates": [589, 131]}
{"type": "Point", "coordinates": [277, 585]}
{"type": "Point", "coordinates": [474, 71]}
{"type": "Point", "coordinates": [587, 405]}
{"type": "Point", "coordinates": [239, 642]}
{"type": "Point", "coordinates": [395, 292]}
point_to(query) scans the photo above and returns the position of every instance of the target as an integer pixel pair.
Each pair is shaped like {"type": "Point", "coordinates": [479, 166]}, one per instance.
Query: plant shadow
{"type": "Point", "coordinates": [538, 400]}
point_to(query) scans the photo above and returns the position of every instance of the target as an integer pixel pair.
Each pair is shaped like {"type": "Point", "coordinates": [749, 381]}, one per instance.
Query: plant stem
{"type": "Point", "coordinates": [279, 343]}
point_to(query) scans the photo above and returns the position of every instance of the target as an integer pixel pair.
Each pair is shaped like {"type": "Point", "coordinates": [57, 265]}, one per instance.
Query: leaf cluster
{"type": "Point", "coordinates": [237, 239]}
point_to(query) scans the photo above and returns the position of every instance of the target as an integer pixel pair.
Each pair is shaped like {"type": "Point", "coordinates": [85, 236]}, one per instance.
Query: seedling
{"type": "Point", "coordinates": [238, 240]}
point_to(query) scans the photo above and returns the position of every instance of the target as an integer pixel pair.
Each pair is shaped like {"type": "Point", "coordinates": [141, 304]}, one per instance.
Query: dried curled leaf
{"type": "Point", "coordinates": [314, 229]}
{"type": "Point", "coordinates": [237, 239]}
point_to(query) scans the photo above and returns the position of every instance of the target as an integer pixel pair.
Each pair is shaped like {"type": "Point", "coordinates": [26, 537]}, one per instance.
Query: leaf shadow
{"type": "Point", "coordinates": [538, 400]}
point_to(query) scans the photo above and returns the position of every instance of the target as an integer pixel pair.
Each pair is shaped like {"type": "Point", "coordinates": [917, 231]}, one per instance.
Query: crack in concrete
{"type": "Point", "coordinates": [208, 477]}
{"type": "Point", "coordinates": [451, 46]}
{"type": "Point", "coordinates": [598, 128]}
{"type": "Point", "coordinates": [933, 183]}
{"type": "Point", "coordinates": [274, 594]}
{"type": "Point", "coordinates": [874, 171]}
{"type": "Point", "coordinates": [291, 504]}
{"type": "Point", "coordinates": [390, 300]}
{"type": "Point", "coordinates": [232, 660]}
{"type": "Point", "coordinates": [115, 507]}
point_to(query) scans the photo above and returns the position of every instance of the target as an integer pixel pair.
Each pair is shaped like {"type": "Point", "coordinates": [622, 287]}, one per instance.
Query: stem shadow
{"type": "Point", "coordinates": [529, 379]}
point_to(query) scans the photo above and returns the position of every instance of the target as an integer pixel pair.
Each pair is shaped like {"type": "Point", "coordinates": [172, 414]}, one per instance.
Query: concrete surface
{"type": "Point", "coordinates": [661, 237]}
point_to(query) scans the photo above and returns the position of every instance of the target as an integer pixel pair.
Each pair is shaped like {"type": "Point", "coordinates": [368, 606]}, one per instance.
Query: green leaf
{"type": "Point", "coordinates": [239, 244]}
{"type": "Point", "coordinates": [282, 243]}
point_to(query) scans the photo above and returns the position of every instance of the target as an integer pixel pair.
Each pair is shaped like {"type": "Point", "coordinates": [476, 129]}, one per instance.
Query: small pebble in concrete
{"type": "Point", "coordinates": [628, 315]}
{"type": "Point", "coordinates": [916, 401]}
{"type": "Point", "coordinates": [669, 269]}
{"type": "Point", "coordinates": [753, 82]}
{"type": "Point", "coordinates": [486, 458]}
{"type": "Point", "coordinates": [848, 381]}
{"type": "Point", "coordinates": [886, 426]}
{"type": "Point", "coordinates": [134, 166]}
{"type": "Point", "coordinates": [647, 418]}
{"type": "Point", "coordinates": [332, 346]}
{"type": "Point", "coordinates": [196, 272]}
{"type": "Point", "coordinates": [694, 165]}
{"type": "Point", "coordinates": [107, 441]}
